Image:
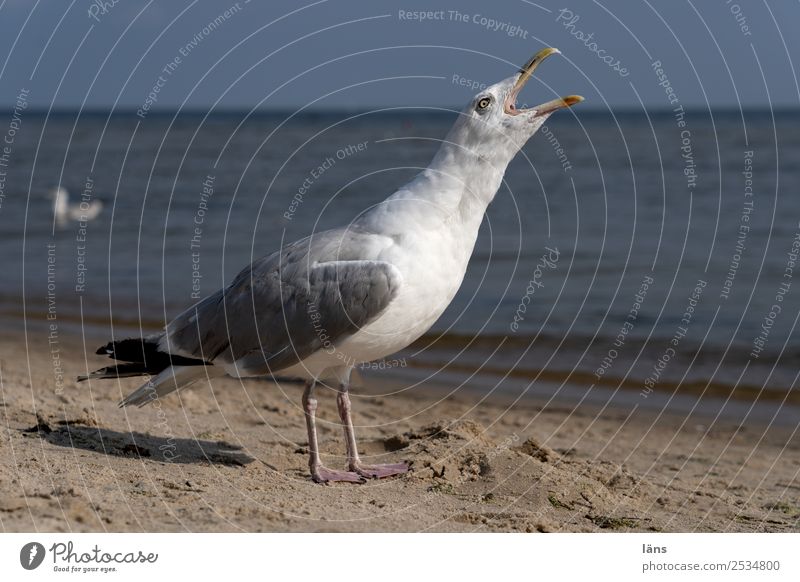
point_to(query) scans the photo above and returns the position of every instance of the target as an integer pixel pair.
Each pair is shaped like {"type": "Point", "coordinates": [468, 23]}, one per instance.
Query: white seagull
{"type": "Point", "coordinates": [65, 212]}
{"type": "Point", "coordinates": [320, 306]}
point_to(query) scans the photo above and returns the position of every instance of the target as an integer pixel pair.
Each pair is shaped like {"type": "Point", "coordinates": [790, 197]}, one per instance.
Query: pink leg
{"type": "Point", "coordinates": [353, 461]}
{"type": "Point", "coordinates": [319, 472]}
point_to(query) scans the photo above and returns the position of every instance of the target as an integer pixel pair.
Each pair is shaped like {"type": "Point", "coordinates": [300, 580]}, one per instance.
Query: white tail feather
{"type": "Point", "coordinates": [169, 380]}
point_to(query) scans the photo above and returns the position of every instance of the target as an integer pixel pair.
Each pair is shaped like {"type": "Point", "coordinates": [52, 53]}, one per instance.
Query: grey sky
{"type": "Point", "coordinates": [378, 54]}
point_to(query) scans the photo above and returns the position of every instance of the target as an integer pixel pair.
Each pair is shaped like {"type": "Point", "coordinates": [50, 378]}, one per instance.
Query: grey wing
{"type": "Point", "coordinates": [282, 309]}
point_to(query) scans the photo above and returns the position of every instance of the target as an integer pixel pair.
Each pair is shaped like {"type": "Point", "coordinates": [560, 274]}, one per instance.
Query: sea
{"type": "Point", "coordinates": [639, 259]}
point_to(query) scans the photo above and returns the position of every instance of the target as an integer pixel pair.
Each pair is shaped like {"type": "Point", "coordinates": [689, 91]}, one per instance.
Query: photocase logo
{"type": "Point", "coordinates": [31, 555]}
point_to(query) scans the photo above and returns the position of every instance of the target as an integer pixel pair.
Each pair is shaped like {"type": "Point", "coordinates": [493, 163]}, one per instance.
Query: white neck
{"type": "Point", "coordinates": [452, 192]}
{"type": "Point", "coordinates": [468, 178]}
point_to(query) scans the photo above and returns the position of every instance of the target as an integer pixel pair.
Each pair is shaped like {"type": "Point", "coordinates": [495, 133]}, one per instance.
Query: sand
{"type": "Point", "coordinates": [230, 456]}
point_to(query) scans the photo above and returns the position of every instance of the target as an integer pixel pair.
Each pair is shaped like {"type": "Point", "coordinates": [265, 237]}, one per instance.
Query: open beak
{"type": "Point", "coordinates": [525, 73]}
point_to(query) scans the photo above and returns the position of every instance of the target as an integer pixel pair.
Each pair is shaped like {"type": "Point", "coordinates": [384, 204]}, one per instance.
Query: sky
{"type": "Point", "coordinates": [225, 55]}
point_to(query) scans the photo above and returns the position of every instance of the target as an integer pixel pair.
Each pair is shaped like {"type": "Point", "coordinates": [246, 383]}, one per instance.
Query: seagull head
{"type": "Point", "coordinates": [494, 127]}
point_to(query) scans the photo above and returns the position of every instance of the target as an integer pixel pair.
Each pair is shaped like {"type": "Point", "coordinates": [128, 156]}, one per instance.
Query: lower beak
{"type": "Point", "coordinates": [556, 104]}
{"type": "Point", "coordinates": [525, 73]}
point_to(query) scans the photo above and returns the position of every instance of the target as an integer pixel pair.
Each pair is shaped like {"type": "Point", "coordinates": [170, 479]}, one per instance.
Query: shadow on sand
{"type": "Point", "coordinates": [140, 445]}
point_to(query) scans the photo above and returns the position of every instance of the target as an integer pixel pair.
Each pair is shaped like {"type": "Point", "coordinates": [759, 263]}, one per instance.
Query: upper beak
{"type": "Point", "coordinates": [525, 73]}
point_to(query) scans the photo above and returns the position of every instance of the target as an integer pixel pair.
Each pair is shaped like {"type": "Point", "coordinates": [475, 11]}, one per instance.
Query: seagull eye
{"type": "Point", "coordinates": [484, 103]}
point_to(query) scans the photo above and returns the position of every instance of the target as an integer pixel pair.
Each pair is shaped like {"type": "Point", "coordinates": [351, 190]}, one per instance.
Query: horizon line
{"type": "Point", "coordinates": [425, 109]}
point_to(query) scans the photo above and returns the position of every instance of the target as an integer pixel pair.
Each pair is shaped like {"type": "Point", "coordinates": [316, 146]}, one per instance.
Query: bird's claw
{"type": "Point", "coordinates": [380, 471]}
{"type": "Point", "coordinates": [324, 475]}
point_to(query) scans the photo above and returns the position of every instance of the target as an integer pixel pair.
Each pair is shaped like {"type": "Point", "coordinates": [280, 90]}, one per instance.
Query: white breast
{"type": "Point", "coordinates": [432, 262]}
{"type": "Point", "coordinates": [433, 231]}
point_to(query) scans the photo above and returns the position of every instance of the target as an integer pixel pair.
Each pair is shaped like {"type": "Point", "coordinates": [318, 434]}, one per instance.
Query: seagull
{"type": "Point", "coordinates": [320, 306]}
{"type": "Point", "coordinates": [65, 212]}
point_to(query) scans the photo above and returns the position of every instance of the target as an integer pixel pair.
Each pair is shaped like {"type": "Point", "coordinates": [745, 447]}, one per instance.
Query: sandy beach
{"type": "Point", "coordinates": [230, 456]}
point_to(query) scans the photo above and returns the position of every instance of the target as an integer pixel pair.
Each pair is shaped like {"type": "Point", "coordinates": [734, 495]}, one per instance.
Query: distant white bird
{"type": "Point", "coordinates": [320, 306]}
{"type": "Point", "coordinates": [65, 212]}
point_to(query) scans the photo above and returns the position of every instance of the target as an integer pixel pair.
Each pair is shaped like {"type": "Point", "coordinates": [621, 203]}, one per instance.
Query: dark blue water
{"type": "Point", "coordinates": [624, 199]}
